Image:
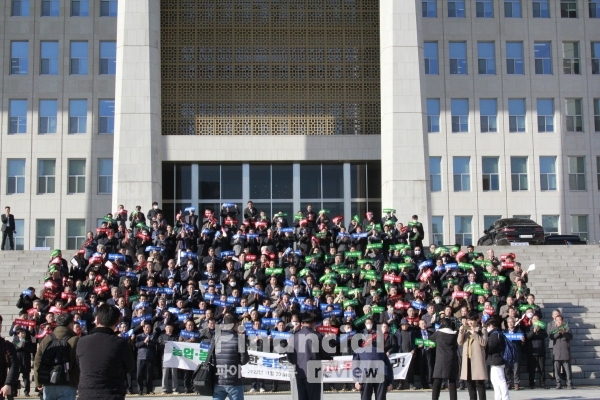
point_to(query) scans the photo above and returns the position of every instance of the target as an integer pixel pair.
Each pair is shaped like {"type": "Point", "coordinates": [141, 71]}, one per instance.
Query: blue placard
{"type": "Point", "coordinates": [247, 325]}
{"type": "Point", "coordinates": [360, 235]}
{"type": "Point", "coordinates": [209, 296]}
{"type": "Point", "coordinates": [280, 335]}
{"type": "Point", "coordinates": [233, 300]}
{"type": "Point", "coordinates": [197, 311]}
{"type": "Point", "coordinates": [153, 248]}
{"type": "Point", "coordinates": [139, 320]}
{"type": "Point", "coordinates": [347, 336]}
{"type": "Point", "coordinates": [264, 309]}
{"type": "Point", "coordinates": [252, 236]}
{"type": "Point", "coordinates": [27, 293]}
{"type": "Point", "coordinates": [82, 323]}
{"type": "Point", "coordinates": [343, 234]}
{"type": "Point", "coordinates": [228, 253]}
{"type": "Point", "coordinates": [228, 205]}
{"type": "Point", "coordinates": [335, 306]}
{"type": "Point", "coordinates": [141, 304]}
{"type": "Point", "coordinates": [418, 306]}
{"type": "Point", "coordinates": [241, 310]}
{"type": "Point", "coordinates": [334, 313]}
{"type": "Point", "coordinates": [127, 335]}
{"type": "Point", "coordinates": [173, 310]}
{"type": "Point", "coordinates": [286, 230]}
{"type": "Point", "coordinates": [188, 209]}
{"type": "Point", "coordinates": [189, 335]}
{"type": "Point", "coordinates": [451, 266]}
{"type": "Point", "coordinates": [206, 231]}
{"type": "Point", "coordinates": [238, 236]}
{"type": "Point", "coordinates": [306, 307]}
{"type": "Point", "coordinates": [149, 289]}
{"type": "Point", "coordinates": [288, 283]}
{"type": "Point", "coordinates": [189, 254]}
{"type": "Point", "coordinates": [349, 314]}
{"type": "Point", "coordinates": [426, 264]}
{"type": "Point", "coordinates": [165, 290]}
{"type": "Point", "coordinates": [257, 332]}
{"type": "Point", "coordinates": [116, 256]}
{"type": "Point", "coordinates": [220, 303]}
{"type": "Point", "coordinates": [268, 322]}
{"type": "Point", "coordinates": [439, 268]}
{"type": "Point", "coordinates": [128, 274]}
{"type": "Point", "coordinates": [183, 317]}
{"type": "Point", "coordinates": [513, 337]}
{"type": "Point", "coordinates": [204, 345]}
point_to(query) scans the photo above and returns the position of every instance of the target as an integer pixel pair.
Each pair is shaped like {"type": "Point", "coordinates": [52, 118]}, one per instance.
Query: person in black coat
{"type": "Point", "coordinates": [494, 350]}
{"type": "Point", "coordinates": [536, 353]}
{"type": "Point", "coordinates": [446, 359]}
{"type": "Point", "coordinates": [8, 228]}
{"type": "Point", "coordinates": [425, 356]}
{"type": "Point", "coordinates": [104, 359]}
{"type": "Point", "coordinates": [365, 358]}
{"type": "Point", "coordinates": [24, 347]}
{"type": "Point", "coordinates": [146, 351]}
{"type": "Point", "coordinates": [405, 338]}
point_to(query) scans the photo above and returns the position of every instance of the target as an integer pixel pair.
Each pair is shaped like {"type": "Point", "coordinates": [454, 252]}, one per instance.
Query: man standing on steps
{"type": "Point", "coordinates": [561, 351]}
{"type": "Point", "coordinates": [8, 228]}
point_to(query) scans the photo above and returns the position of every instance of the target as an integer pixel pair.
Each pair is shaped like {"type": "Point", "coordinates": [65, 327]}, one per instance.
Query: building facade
{"type": "Point", "coordinates": [460, 111]}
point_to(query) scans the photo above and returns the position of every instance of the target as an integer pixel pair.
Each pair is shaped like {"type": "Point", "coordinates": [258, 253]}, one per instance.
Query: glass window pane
{"type": "Point", "coordinates": [260, 181]}
{"type": "Point", "coordinates": [310, 181]}
{"type": "Point", "coordinates": [105, 166]}
{"type": "Point", "coordinates": [231, 181]}
{"type": "Point", "coordinates": [485, 50]}
{"type": "Point", "coordinates": [282, 182]}
{"type": "Point", "coordinates": [108, 49]}
{"type": "Point", "coordinates": [548, 165]}
{"type": "Point", "coordinates": [285, 207]}
{"type": "Point", "coordinates": [514, 50]}
{"type": "Point", "coordinates": [516, 106]}
{"type": "Point", "coordinates": [518, 165]}
{"type": "Point", "coordinates": [16, 167]}
{"type": "Point", "coordinates": [461, 165]}
{"type": "Point", "coordinates": [336, 208]}
{"type": "Point", "coordinates": [545, 106]}
{"type": "Point", "coordinates": [77, 108]}
{"type": "Point", "coordinates": [358, 181]}
{"type": "Point", "coordinates": [168, 176]}
{"type": "Point", "coordinates": [374, 180]}
{"type": "Point", "coordinates": [358, 208]}
{"type": "Point", "coordinates": [433, 106]}
{"type": "Point", "coordinates": [107, 108]}
{"type": "Point", "coordinates": [431, 50]}
{"type": "Point", "coordinates": [333, 181]}
{"type": "Point", "coordinates": [45, 227]}
{"type": "Point", "coordinates": [550, 223]}
{"type": "Point", "coordinates": [490, 165]}
{"type": "Point", "coordinates": [76, 167]}
{"type": "Point", "coordinates": [460, 106]}
{"type": "Point", "coordinates": [488, 106]}
{"type": "Point", "coordinates": [458, 50]}
{"type": "Point", "coordinates": [183, 181]}
{"type": "Point", "coordinates": [209, 185]}
{"type": "Point", "coordinates": [75, 227]}
{"type": "Point", "coordinates": [47, 167]}
{"type": "Point", "coordinates": [435, 165]}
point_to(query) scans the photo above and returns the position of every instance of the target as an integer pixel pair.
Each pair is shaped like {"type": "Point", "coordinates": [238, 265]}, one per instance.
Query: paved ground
{"type": "Point", "coordinates": [538, 394]}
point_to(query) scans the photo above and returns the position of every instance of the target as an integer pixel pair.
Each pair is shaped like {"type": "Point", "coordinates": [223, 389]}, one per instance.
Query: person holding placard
{"type": "Point", "coordinates": [561, 350]}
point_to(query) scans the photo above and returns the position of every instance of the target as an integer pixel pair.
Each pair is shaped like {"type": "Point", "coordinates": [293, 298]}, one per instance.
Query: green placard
{"type": "Point", "coordinates": [274, 271]}
{"type": "Point", "coordinates": [347, 303]}
{"type": "Point", "coordinates": [353, 254]}
{"type": "Point", "coordinates": [377, 309]}
{"type": "Point", "coordinates": [411, 285]}
{"type": "Point", "coordinates": [375, 246]}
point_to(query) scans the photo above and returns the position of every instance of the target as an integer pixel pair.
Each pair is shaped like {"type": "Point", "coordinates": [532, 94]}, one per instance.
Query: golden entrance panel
{"type": "Point", "coordinates": [270, 67]}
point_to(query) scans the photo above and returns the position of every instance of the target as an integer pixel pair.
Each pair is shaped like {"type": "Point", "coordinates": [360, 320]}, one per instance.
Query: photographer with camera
{"type": "Point", "coordinates": [474, 370]}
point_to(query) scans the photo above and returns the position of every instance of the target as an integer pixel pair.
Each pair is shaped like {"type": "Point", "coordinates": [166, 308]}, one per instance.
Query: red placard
{"type": "Point", "coordinates": [78, 308]}
{"type": "Point", "coordinates": [51, 285]}
{"type": "Point", "coordinates": [508, 265]}
{"type": "Point", "coordinates": [65, 296]}
{"type": "Point", "coordinates": [231, 222]}
{"type": "Point", "coordinates": [392, 278]}
{"type": "Point", "coordinates": [101, 289]}
{"type": "Point", "coordinates": [512, 255]}
{"type": "Point", "coordinates": [250, 257]}
{"type": "Point", "coordinates": [413, 319]}
{"type": "Point", "coordinates": [425, 275]}
{"type": "Point", "coordinates": [25, 322]}
{"type": "Point", "coordinates": [141, 266]}
{"type": "Point", "coordinates": [57, 310]}
{"type": "Point", "coordinates": [460, 295]}
{"type": "Point", "coordinates": [32, 311]}
{"type": "Point", "coordinates": [328, 329]}
{"type": "Point", "coordinates": [402, 305]}
{"type": "Point", "coordinates": [303, 222]}
{"type": "Point", "coordinates": [337, 219]}
{"type": "Point", "coordinates": [104, 231]}
{"type": "Point", "coordinates": [95, 260]}
{"type": "Point", "coordinates": [49, 295]}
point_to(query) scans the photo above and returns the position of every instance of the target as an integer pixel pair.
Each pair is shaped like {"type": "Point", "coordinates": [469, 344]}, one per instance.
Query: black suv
{"type": "Point", "coordinates": [507, 230]}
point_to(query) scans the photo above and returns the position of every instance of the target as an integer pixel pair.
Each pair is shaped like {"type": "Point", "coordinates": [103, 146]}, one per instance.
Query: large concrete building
{"type": "Point", "coordinates": [460, 111]}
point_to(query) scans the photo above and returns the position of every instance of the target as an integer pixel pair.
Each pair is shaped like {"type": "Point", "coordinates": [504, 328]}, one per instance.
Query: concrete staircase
{"type": "Point", "coordinates": [566, 277]}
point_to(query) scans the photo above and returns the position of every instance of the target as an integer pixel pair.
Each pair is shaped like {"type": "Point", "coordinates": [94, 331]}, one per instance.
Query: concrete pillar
{"type": "Point", "coordinates": [404, 148]}
{"type": "Point", "coordinates": [137, 154]}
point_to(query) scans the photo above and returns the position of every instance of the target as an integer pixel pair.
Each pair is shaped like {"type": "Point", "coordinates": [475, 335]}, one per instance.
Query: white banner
{"type": "Point", "coordinates": [272, 366]}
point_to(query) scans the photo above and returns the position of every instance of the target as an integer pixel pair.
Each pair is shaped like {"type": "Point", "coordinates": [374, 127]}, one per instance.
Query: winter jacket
{"type": "Point", "coordinates": [60, 332]}
{"type": "Point", "coordinates": [494, 348]}
{"type": "Point", "coordinates": [446, 355]}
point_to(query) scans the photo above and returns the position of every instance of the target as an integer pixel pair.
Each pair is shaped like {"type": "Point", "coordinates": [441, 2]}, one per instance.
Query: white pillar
{"type": "Point", "coordinates": [137, 154]}
{"type": "Point", "coordinates": [404, 149]}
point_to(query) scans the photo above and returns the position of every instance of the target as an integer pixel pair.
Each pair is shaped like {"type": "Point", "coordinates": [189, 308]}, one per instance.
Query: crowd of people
{"type": "Point", "coordinates": [177, 281]}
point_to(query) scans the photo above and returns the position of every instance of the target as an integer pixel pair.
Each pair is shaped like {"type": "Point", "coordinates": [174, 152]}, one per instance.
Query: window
{"type": "Point", "coordinates": [522, 216]}
{"type": "Point", "coordinates": [571, 58]}
{"type": "Point", "coordinates": [19, 58]}
{"type": "Point", "coordinates": [80, 8]}
{"type": "Point", "coordinates": [488, 220]}
{"type": "Point", "coordinates": [598, 171]}
{"type": "Point", "coordinates": [458, 58]}
{"type": "Point", "coordinates": [19, 235]}
{"type": "Point", "coordinates": [79, 58]}
{"type": "Point", "coordinates": [108, 8]}
{"type": "Point", "coordinates": [16, 176]}
{"type": "Point", "coordinates": [550, 224]}
{"type": "Point", "coordinates": [541, 9]}
{"type": "Point", "coordinates": [456, 9]}
{"type": "Point", "coordinates": [106, 124]}
{"type": "Point", "coordinates": [462, 174]}
{"type": "Point", "coordinates": [516, 115]}
{"type": "Point", "coordinates": [48, 112]}
{"type": "Point", "coordinates": [596, 58]}
{"type": "Point", "coordinates": [108, 58]}
{"type": "Point", "coordinates": [545, 115]}
{"type": "Point", "coordinates": [429, 8]}
{"type": "Point", "coordinates": [463, 231]}
{"type": "Point", "coordinates": [17, 120]}
{"type": "Point", "coordinates": [514, 58]}
{"type": "Point", "coordinates": [484, 9]}
{"type": "Point", "coordinates": [46, 176]}
{"type": "Point", "coordinates": [431, 58]}
{"type": "Point", "coordinates": [512, 8]}
{"type": "Point", "coordinates": [568, 8]}
{"type": "Point", "coordinates": [574, 115]}
{"type": "Point", "coordinates": [486, 60]}
{"type": "Point", "coordinates": [433, 115]}
{"type": "Point", "coordinates": [77, 116]}
{"type": "Point", "coordinates": [548, 173]}
{"type": "Point", "coordinates": [518, 172]}
{"type": "Point", "coordinates": [75, 233]}
{"type": "Point", "coordinates": [20, 8]}
{"type": "Point", "coordinates": [577, 173]}
{"type": "Point", "coordinates": [105, 175]}
{"type": "Point", "coordinates": [435, 174]}
{"type": "Point", "coordinates": [50, 8]}
{"type": "Point", "coordinates": [437, 229]}
{"type": "Point", "coordinates": [594, 6]}
{"type": "Point", "coordinates": [579, 226]}
{"type": "Point", "coordinates": [45, 233]}
{"type": "Point", "coordinates": [460, 115]}
{"type": "Point", "coordinates": [76, 176]}
{"type": "Point", "coordinates": [491, 176]}
{"type": "Point", "coordinates": [488, 110]}
{"type": "Point", "coordinates": [543, 58]}
{"type": "Point", "coordinates": [49, 58]}
{"type": "Point", "coordinates": [597, 115]}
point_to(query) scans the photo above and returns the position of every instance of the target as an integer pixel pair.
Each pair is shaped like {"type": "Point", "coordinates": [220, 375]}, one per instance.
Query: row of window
{"type": "Point", "coordinates": [517, 111]}
{"type": "Point", "coordinates": [51, 8]}
{"type": "Point", "coordinates": [512, 8]}
{"type": "Point", "coordinates": [46, 176]}
{"type": "Point", "coordinates": [48, 116]}
{"type": "Point", "coordinates": [519, 175]}
{"type": "Point", "coordinates": [515, 63]}
{"type": "Point", "coordinates": [463, 227]}
{"type": "Point", "coordinates": [49, 56]}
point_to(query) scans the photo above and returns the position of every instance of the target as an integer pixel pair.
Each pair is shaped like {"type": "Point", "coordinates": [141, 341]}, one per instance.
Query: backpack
{"type": "Point", "coordinates": [509, 354]}
{"type": "Point", "coordinates": [54, 366]}
{"type": "Point", "coordinates": [203, 376]}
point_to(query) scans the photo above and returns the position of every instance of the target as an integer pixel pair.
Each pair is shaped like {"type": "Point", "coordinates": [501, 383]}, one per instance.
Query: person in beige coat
{"type": "Point", "coordinates": [473, 369]}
